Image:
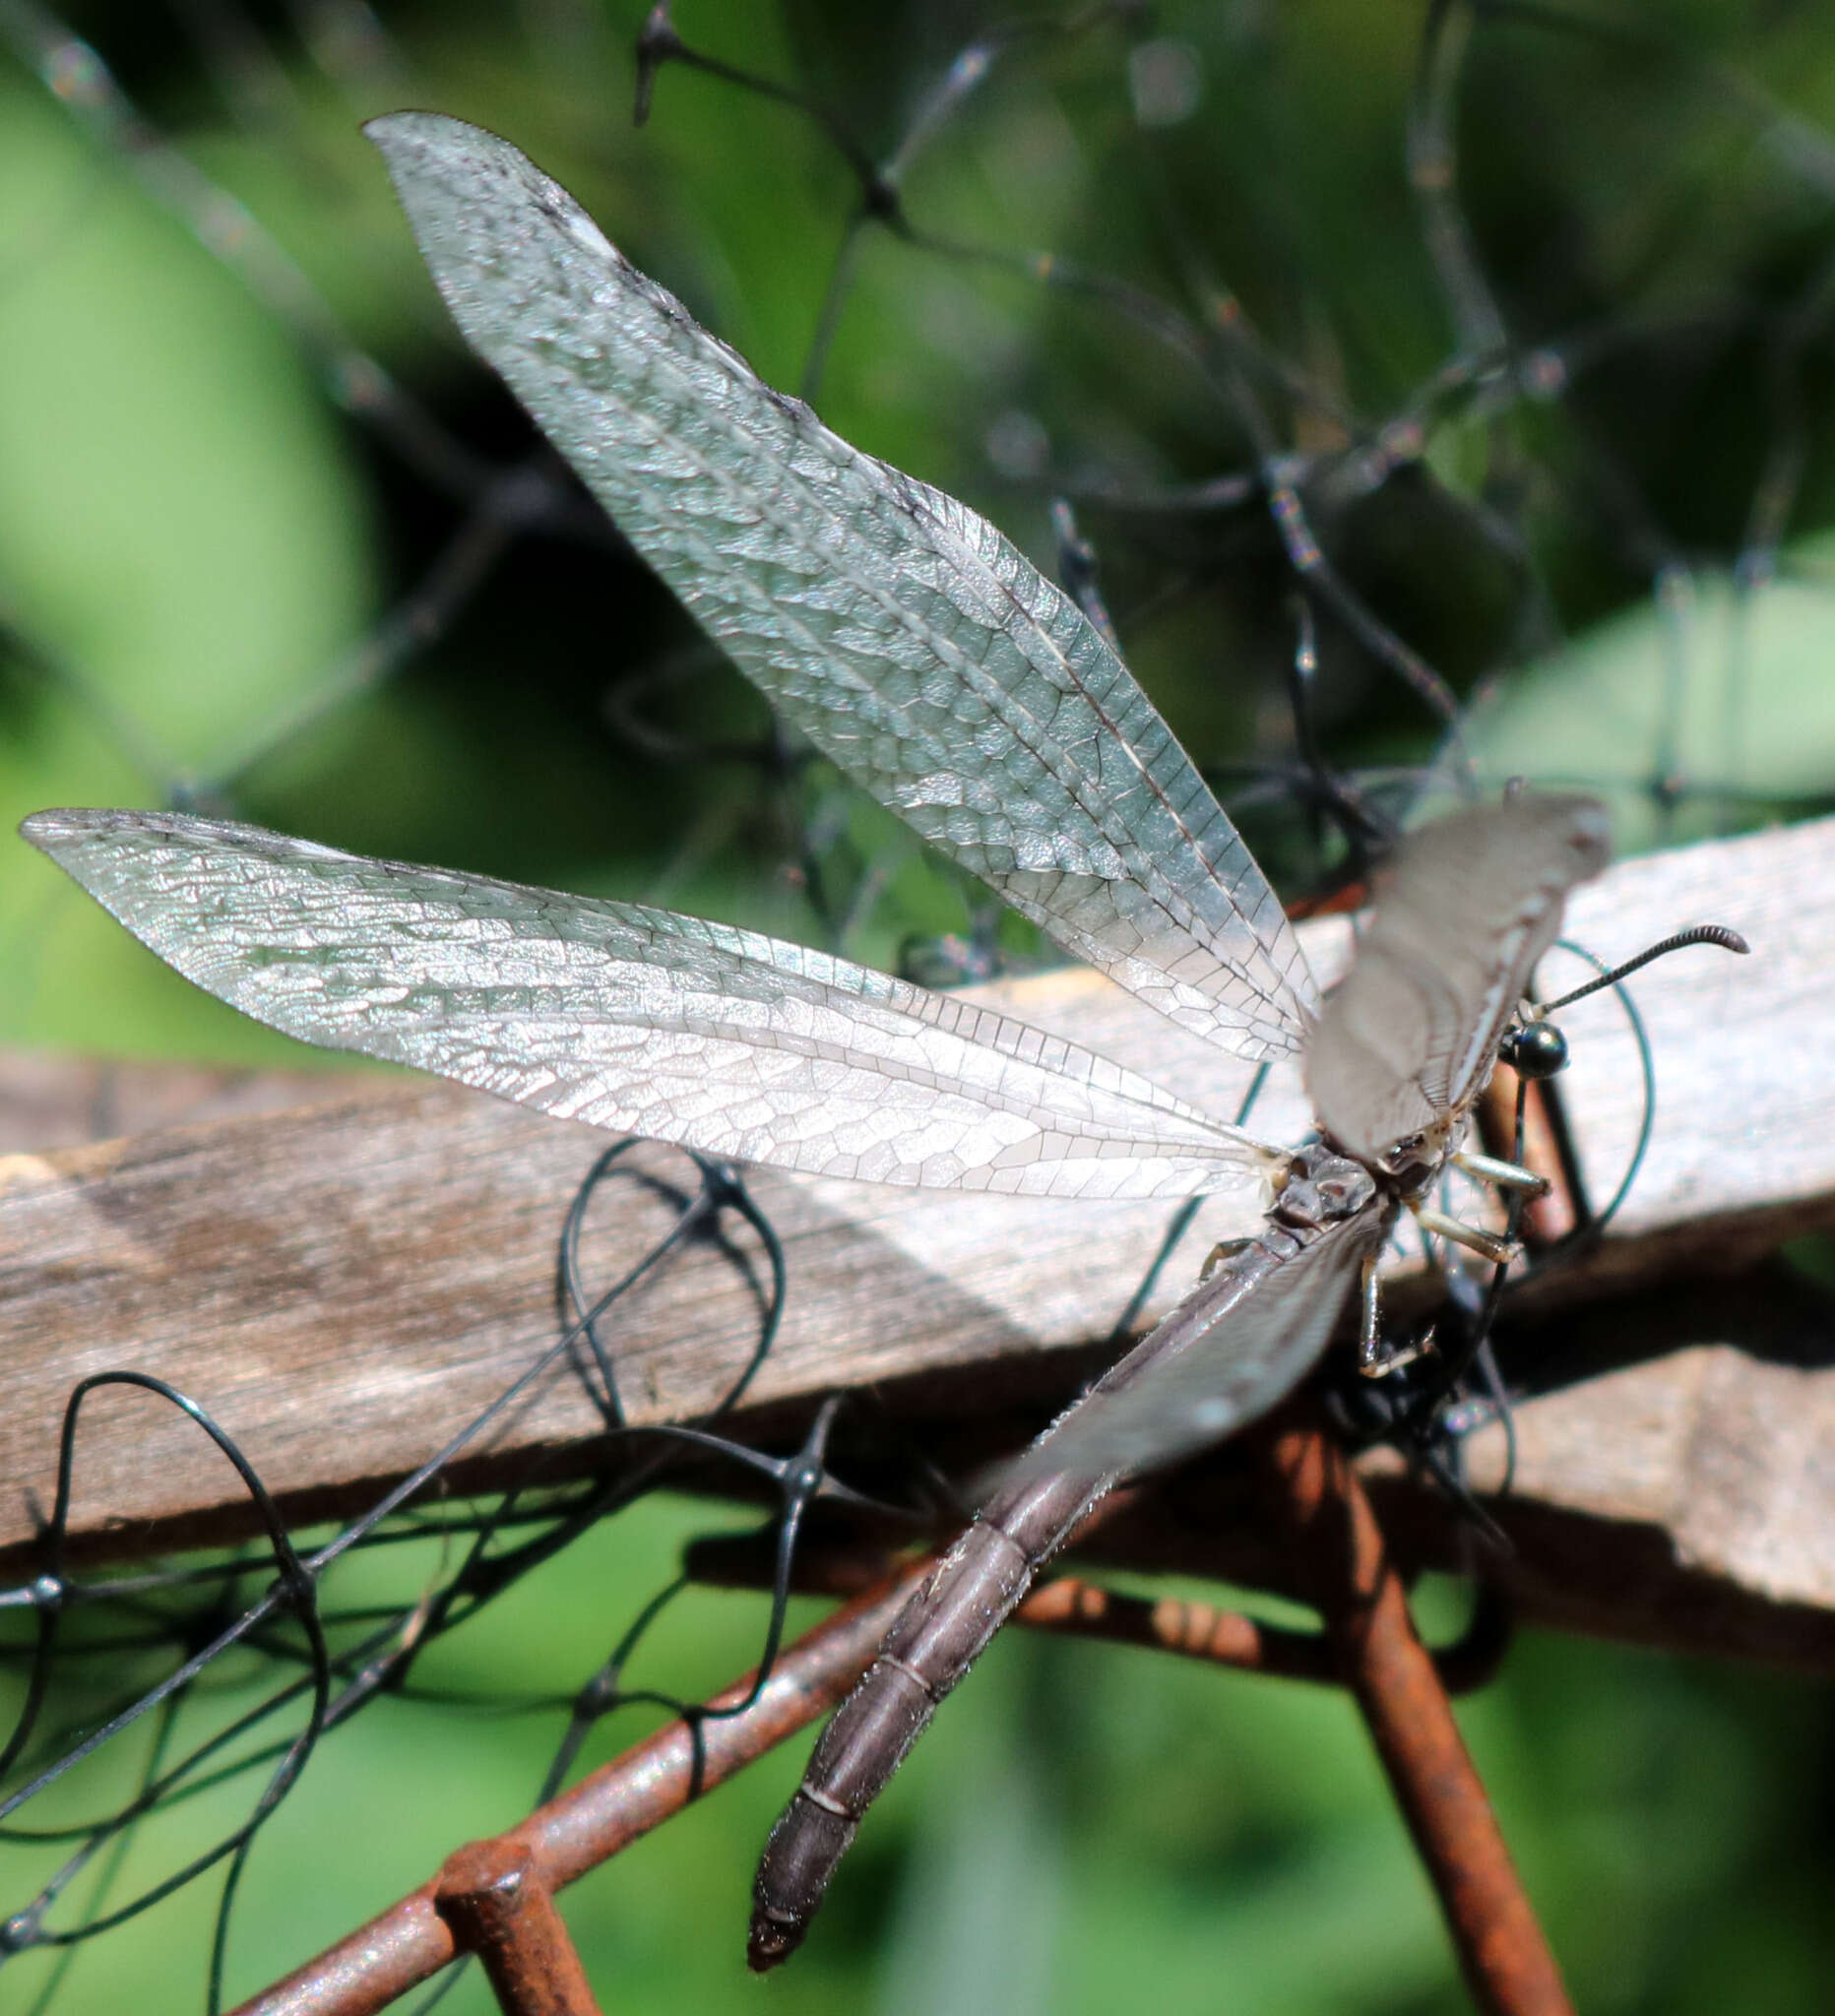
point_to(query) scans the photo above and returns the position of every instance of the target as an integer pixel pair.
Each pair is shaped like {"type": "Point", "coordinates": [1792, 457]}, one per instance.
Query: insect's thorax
{"type": "Point", "coordinates": [1323, 1186]}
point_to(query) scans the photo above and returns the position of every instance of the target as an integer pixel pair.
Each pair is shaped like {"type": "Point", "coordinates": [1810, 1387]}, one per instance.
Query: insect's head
{"type": "Point", "coordinates": [1533, 1049]}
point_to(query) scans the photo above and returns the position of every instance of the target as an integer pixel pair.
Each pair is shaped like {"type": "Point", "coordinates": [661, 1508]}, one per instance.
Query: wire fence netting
{"type": "Point", "coordinates": [1427, 397]}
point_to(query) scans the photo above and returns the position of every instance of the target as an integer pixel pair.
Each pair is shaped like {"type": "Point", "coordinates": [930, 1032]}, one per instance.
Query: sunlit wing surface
{"type": "Point", "coordinates": [1463, 912]}
{"type": "Point", "coordinates": [898, 630]}
{"type": "Point", "coordinates": [1223, 1375]}
{"type": "Point", "coordinates": [638, 1018]}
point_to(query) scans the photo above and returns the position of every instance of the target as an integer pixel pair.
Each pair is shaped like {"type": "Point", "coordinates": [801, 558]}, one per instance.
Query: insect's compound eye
{"type": "Point", "coordinates": [1537, 1051]}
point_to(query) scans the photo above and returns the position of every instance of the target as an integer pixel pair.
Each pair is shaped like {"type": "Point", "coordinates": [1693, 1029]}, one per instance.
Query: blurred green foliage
{"type": "Point", "coordinates": [195, 535]}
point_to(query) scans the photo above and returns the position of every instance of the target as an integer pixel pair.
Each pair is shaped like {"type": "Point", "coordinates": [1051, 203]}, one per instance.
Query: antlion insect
{"type": "Point", "coordinates": [926, 658]}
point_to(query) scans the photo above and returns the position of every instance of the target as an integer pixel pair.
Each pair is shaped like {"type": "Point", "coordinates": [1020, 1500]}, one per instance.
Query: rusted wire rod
{"type": "Point", "coordinates": [1502, 1952]}
{"type": "Point", "coordinates": [1070, 1606]}
{"type": "Point", "coordinates": [431, 1926]}
{"type": "Point", "coordinates": [1192, 1631]}
{"type": "Point", "coordinates": [500, 1909]}
{"type": "Point", "coordinates": [1224, 1637]}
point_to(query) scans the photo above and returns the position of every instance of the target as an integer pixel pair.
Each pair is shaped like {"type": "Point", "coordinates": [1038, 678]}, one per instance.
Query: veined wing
{"type": "Point", "coordinates": [639, 1019]}
{"type": "Point", "coordinates": [1463, 913]}
{"type": "Point", "coordinates": [1236, 1346]}
{"type": "Point", "coordinates": [898, 630]}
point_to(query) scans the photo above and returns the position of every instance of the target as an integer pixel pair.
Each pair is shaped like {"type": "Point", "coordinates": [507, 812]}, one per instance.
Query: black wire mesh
{"type": "Point", "coordinates": [1433, 400]}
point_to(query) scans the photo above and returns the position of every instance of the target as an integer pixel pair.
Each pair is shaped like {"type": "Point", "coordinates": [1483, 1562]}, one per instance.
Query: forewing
{"type": "Point", "coordinates": [1193, 1389]}
{"type": "Point", "coordinates": [898, 630]}
{"type": "Point", "coordinates": [1463, 912]}
{"type": "Point", "coordinates": [639, 1019]}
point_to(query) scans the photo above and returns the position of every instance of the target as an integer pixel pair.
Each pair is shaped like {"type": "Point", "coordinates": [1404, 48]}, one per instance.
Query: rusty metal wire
{"type": "Point", "coordinates": [1502, 1951]}
{"type": "Point", "coordinates": [1290, 467]}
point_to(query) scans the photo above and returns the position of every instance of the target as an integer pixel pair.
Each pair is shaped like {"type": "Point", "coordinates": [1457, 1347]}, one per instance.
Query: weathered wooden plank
{"type": "Point", "coordinates": [345, 1286]}
{"type": "Point", "coordinates": [55, 1101]}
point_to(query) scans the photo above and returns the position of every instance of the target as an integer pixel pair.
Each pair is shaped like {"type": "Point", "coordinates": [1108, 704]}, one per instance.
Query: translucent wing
{"type": "Point", "coordinates": [1463, 912]}
{"type": "Point", "coordinates": [899, 631]}
{"type": "Point", "coordinates": [1226, 1355]}
{"type": "Point", "coordinates": [639, 1019]}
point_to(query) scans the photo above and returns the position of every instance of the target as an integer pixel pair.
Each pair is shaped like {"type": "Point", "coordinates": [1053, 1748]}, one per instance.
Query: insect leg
{"type": "Point", "coordinates": [1370, 1360]}
{"type": "Point", "coordinates": [1488, 1245]}
{"type": "Point", "coordinates": [1377, 1358]}
{"type": "Point", "coordinates": [1506, 1175]}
